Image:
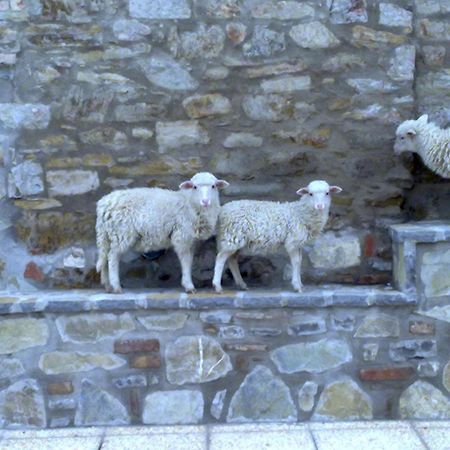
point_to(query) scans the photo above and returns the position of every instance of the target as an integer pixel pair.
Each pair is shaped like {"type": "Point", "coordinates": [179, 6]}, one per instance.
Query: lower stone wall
{"type": "Point", "coordinates": [222, 365]}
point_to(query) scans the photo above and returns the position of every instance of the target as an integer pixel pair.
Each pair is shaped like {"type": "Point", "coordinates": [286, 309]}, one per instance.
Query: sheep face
{"type": "Point", "coordinates": [406, 135]}
{"type": "Point", "coordinates": [318, 194]}
{"type": "Point", "coordinates": [204, 189]}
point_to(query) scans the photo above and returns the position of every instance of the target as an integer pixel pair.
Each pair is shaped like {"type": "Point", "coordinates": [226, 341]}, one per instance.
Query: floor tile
{"type": "Point", "coordinates": [436, 435]}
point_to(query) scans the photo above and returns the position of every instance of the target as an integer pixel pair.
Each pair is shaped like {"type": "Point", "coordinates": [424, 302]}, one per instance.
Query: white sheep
{"type": "Point", "coordinates": [428, 140]}
{"type": "Point", "coordinates": [146, 219]}
{"type": "Point", "coordinates": [255, 227]}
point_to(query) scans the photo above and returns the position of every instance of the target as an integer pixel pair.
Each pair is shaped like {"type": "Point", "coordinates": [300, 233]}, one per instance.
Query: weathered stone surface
{"type": "Point", "coordinates": [286, 84]}
{"type": "Point", "coordinates": [370, 86]}
{"type": "Point", "coordinates": [139, 112]}
{"type": "Point", "coordinates": [130, 381]}
{"type": "Point", "coordinates": [343, 62]}
{"type": "Point", "coordinates": [378, 325]}
{"type": "Point", "coordinates": [306, 324]}
{"type": "Point", "coordinates": [428, 369]}
{"type": "Point", "coordinates": [22, 405]}
{"type": "Point", "coordinates": [130, 30]}
{"type": "Point", "coordinates": [231, 332]}
{"type": "Point", "coordinates": [208, 105]}
{"type": "Point", "coordinates": [196, 359]}
{"type": "Point", "coordinates": [163, 322]}
{"type": "Point", "coordinates": [75, 258]}
{"type": "Point", "coordinates": [434, 55]}
{"type": "Point", "coordinates": [205, 42]}
{"type": "Point", "coordinates": [217, 404]}
{"type": "Point", "coordinates": [20, 334]}
{"type": "Point", "coordinates": [411, 349]}
{"type": "Point", "coordinates": [386, 373]}
{"type": "Point", "coordinates": [160, 9]}
{"type": "Point", "coordinates": [348, 11]}
{"type": "Point", "coordinates": [422, 400]}
{"type": "Point", "coordinates": [264, 42]}
{"type": "Point", "coordinates": [25, 179]}
{"type": "Point", "coordinates": [286, 10]}
{"type": "Point", "coordinates": [136, 345]}
{"type": "Point", "coordinates": [262, 397]}
{"type": "Point", "coordinates": [315, 357]}
{"type": "Point", "coordinates": [434, 30]}
{"type": "Point", "coordinates": [61, 404]}
{"type": "Point", "coordinates": [306, 395]}
{"type": "Point", "coordinates": [403, 63]}
{"type": "Point", "coordinates": [394, 16]}
{"type": "Point", "coordinates": [370, 351]}
{"type": "Point", "coordinates": [420, 327]}
{"type": "Point", "coordinates": [267, 107]}
{"type": "Point", "coordinates": [72, 182]}
{"type": "Point", "coordinates": [219, 8]}
{"type": "Point", "coordinates": [367, 37]}
{"type": "Point", "coordinates": [172, 135]}
{"type": "Point", "coordinates": [145, 362]}
{"type": "Point", "coordinates": [343, 321]}
{"type": "Point", "coordinates": [236, 32]}
{"type": "Point", "coordinates": [434, 271]}
{"type": "Point", "coordinates": [165, 72]}
{"type": "Point", "coordinates": [38, 204]}
{"type": "Point", "coordinates": [216, 73]}
{"type": "Point", "coordinates": [216, 317]}
{"type": "Point", "coordinates": [54, 363]}
{"type": "Point", "coordinates": [446, 376]}
{"type": "Point", "coordinates": [343, 400]}
{"type": "Point", "coordinates": [173, 407]}
{"type": "Point", "coordinates": [237, 140]}
{"type": "Point", "coordinates": [93, 327]}
{"type": "Point", "coordinates": [60, 388]}
{"type": "Point", "coordinates": [333, 252]}
{"type": "Point", "coordinates": [313, 35]}
{"type": "Point", "coordinates": [28, 116]}
{"type": "Point", "coordinates": [11, 368]}
{"type": "Point", "coordinates": [97, 407]}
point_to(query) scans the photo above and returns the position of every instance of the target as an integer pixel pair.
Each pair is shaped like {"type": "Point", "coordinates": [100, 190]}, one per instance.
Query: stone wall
{"type": "Point", "coordinates": [102, 94]}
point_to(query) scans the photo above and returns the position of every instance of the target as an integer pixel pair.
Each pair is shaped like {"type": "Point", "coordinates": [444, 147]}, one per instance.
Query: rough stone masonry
{"type": "Point", "coordinates": [97, 95]}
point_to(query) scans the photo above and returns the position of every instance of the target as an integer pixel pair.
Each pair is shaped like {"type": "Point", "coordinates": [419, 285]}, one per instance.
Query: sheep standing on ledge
{"type": "Point", "coordinates": [146, 219]}
{"type": "Point", "coordinates": [262, 227]}
{"type": "Point", "coordinates": [428, 140]}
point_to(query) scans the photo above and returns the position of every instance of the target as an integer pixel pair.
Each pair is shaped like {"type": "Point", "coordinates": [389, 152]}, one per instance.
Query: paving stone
{"type": "Point", "coordinates": [195, 359]}
{"type": "Point", "coordinates": [412, 349]}
{"type": "Point", "coordinates": [378, 325]}
{"type": "Point", "coordinates": [163, 322]}
{"type": "Point", "coordinates": [97, 407]}
{"type": "Point", "coordinates": [20, 334]}
{"type": "Point", "coordinates": [306, 396]}
{"type": "Point", "coordinates": [217, 404]}
{"type": "Point", "coordinates": [173, 407]}
{"type": "Point", "coordinates": [314, 357]}
{"type": "Point", "coordinates": [343, 400]}
{"type": "Point", "coordinates": [262, 397]}
{"type": "Point", "coordinates": [242, 347]}
{"type": "Point", "coordinates": [422, 400]}
{"type": "Point", "coordinates": [160, 9]}
{"type": "Point", "coordinates": [11, 368]}
{"type": "Point", "coordinates": [136, 345]}
{"type": "Point", "coordinates": [313, 35]}
{"type": "Point", "coordinates": [265, 332]}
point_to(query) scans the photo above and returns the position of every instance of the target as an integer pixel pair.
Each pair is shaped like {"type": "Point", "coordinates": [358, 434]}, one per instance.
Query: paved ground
{"type": "Point", "coordinates": [312, 436]}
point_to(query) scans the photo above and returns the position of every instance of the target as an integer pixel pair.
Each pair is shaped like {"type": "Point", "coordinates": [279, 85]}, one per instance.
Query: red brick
{"type": "Point", "coordinates": [421, 327]}
{"type": "Point", "coordinates": [61, 388]}
{"type": "Point", "coordinates": [135, 405]}
{"type": "Point", "coordinates": [34, 272]}
{"type": "Point", "coordinates": [386, 374]}
{"type": "Point", "coordinates": [145, 362]}
{"type": "Point", "coordinates": [136, 345]}
{"type": "Point", "coordinates": [369, 246]}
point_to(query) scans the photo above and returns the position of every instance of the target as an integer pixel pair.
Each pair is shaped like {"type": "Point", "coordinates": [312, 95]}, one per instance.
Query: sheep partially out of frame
{"type": "Point", "coordinates": [146, 219]}
{"type": "Point", "coordinates": [255, 227]}
{"type": "Point", "coordinates": [428, 140]}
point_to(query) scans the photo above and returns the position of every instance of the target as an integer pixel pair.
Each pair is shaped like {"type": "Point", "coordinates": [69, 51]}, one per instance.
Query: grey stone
{"type": "Point", "coordinates": [434, 55]}
{"type": "Point", "coordinates": [286, 84]}
{"type": "Point", "coordinates": [378, 325]}
{"type": "Point", "coordinates": [165, 72]}
{"type": "Point", "coordinates": [237, 140]}
{"type": "Point", "coordinates": [429, 7]}
{"type": "Point", "coordinates": [72, 182]}
{"type": "Point", "coordinates": [264, 43]}
{"type": "Point", "coordinates": [265, 332]}
{"type": "Point", "coordinates": [216, 317]}
{"type": "Point", "coordinates": [60, 422]}
{"type": "Point", "coordinates": [62, 404]}
{"type": "Point", "coordinates": [173, 135]}
{"type": "Point", "coordinates": [199, 106]}
{"type": "Point", "coordinates": [313, 35]}
{"type": "Point", "coordinates": [402, 65]}
{"type": "Point", "coordinates": [411, 349]}
{"type": "Point", "coordinates": [75, 258]}
{"type": "Point", "coordinates": [218, 403]}
{"type": "Point", "coordinates": [25, 179]}
{"type": "Point", "coordinates": [343, 62]}
{"type": "Point", "coordinates": [306, 395]}
{"type": "Point", "coordinates": [139, 112]}
{"type": "Point", "coordinates": [271, 107]}
{"type": "Point", "coordinates": [286, 10]}
{"type": "Point", "coordinates": [142, 133]}
{"type": "Point", "coordinates": [428, 369]}
{"type": "Point", "coordinates": [348, 11]}
{"type": "Point", "coordinates": [262, 397]}
{"type": "Point", "coordinates": [195, 359]}
{"type": "Point", "coordinates": [343, 400]}
{"type": "Point", "coordinates": [434, 30]}
{"type": "Point", "coordinates": [93, 327]}
{"type": "Point", "coordinates": [22, 405]}
{"type": "Point", "coordinates": [343, 322]}
{"type": "Point", "coordinates": [231, 332]}
{"type": "Point", "coordinates": [26, 115]}
{"type": "Point", "coordinates": [370, 351]}
{"type": "Point", "coordinates": [306, 324]}
{"type": "Point", "coordinates": [216, 73]}
{"type": "Point", "coordinates": [422, 400]}
{"type": "Point", "coordinates": [160, 9]}
{"type": "Point", "coordinates": [370, 86]}
{"type": "Point", "coordinates": [97, 407]}
{"type": "Point", "coordinates": [394, 16]}
{"type": "Point", "coordinates": [130, 381]}
{"type": "Point", "coordinates": [130, 30]}
{"type": "Point", "coordinates": [20, 334]}
{"type": "Point", "coordinates": [219, 8]}
{"type": "Point", "coordinates": [54, 363]}
{"type": "Point", "coordinates": [205, 42]}
{"type": "Point", "coordinates": [446, 376]}
{"type": "Point", "coordinates": [11, 368]}
{"type": "Point", "coordinates": [163, 322]}
{"type": "Point", "coordinates": [173, 407]}
{"type": "Point", "coordinates": [314, 357]}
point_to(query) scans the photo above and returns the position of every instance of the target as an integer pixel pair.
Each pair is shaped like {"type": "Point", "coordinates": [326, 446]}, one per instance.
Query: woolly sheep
{"type": "Point", "coordinates": [428, 140]}
{"type": "Point", "coordinates": [146, 219]}
{"type": "Point", "coordinates": [262, 227]}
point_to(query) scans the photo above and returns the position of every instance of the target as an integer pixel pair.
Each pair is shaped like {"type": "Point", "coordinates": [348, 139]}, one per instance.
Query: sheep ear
{"type": "Point", "coordinates": [186, 185]}
{"type": "Point", "coordinates": [222, 184]}
{"type": "Point", "coordinates": [411, 133]}
{"type": "Point", "coordinates": [302, 191]}
{"type": "Point", "coordinates": [335, 189]}
{"type": "Point", "coordinates": [423, 119]}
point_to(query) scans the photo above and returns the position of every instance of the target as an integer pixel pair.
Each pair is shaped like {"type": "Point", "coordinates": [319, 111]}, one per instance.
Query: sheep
{"type": "Point", "coordinates": [145, 219]}
{"type": "Point", "coordinates": [261, 227]}
{"type": "Point", "coordinates": [428, 140]}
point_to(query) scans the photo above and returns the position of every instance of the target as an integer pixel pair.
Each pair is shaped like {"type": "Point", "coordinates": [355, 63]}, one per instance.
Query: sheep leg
{"type": "Point", "coordinates": [234, 267]}
{"type": "Point", "coordinates": [185, 255]}
{"type": "Point", "coordinates": [295, 255]}
{"type": "Point", "coordinates": [221, 259]}
{"type": "Point", "coordinates": [113, 269]}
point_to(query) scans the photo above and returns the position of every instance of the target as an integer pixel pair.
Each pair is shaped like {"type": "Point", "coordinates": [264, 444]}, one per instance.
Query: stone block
{"type": "Point", "coordinates": [313, 35]}
{"type": "Point", "coordinates": [305, 324]}
{"type": "Point", "coordinates": [411, 349]}
{"type": "Point", "coordinates": [217, 404]}
{"type": "Point", "coordinates": [20, 334]}
{"type": "Point", "coordinates": [208, 105]}
{"type": "Point", "coordinates": [145, 362]}
{"type": "Point", "coordinates": [27, 116]}
{"type": "Point", "coordinates": [420, 327]}
{"type": "Point", "coordinates": [60, 388]}
{"type": "Point", "coordinates": [72, 182]}
{"type": "Point", "coordinates": [25, 179]}
{"type": "Point", "coordinates": [264, 42]}
{"type": "Point", "coordinates": [174, 135]}
{"type": "Point", "coordinates": [136, 345]}
{"type": "Point", "coordinates": [386, 374]}
{"type": "Point", "coordinates": [166, 322]}
{"type": "Point", "coordinates": [159, 9]}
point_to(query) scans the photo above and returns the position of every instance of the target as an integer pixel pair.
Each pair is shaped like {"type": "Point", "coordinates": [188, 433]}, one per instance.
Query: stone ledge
{"type": "Point", "coordinates": [426, 231]}
{"type": "Point", "coordinates": [60, 301]}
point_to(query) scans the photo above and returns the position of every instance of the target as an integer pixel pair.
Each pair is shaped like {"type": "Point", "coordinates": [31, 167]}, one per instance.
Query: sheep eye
{"type": "Point", "coordinates": [213, 186]}
{"type": "Point", "coordinates": [328, 193]}
{"type": "Point", "coordinates": [195, 187]}
{"type": "Point", "coordinates": [310, 195]}
{"type": "Point", "coordinates": [403, 137]}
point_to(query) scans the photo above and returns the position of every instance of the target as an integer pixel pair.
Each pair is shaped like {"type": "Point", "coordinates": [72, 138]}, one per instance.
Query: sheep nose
{"type": "Point", "coordinates": [320, 206]}
{"type": "Point", "coordinates": [205, 202]}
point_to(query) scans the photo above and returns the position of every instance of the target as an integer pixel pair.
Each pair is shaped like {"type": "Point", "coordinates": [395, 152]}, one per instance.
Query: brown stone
{"type": "Point", "coordinates": [246, 347]}
{"type": "Point", "coordinates": [421, 327]}
{"type": "Point", "coordinates": [386, 373]}
{"type": "Point", "coordinates": [33, 272]}
{"type": "Point", "coordinates": [135, 405]}
{"type": "Point", "coordinates": [136, 345]}
{"type": "Point", "coordinates": [61, 388]}
{"type": "Point", "coordinates": [369, 246]}
{"type": "Point", "coordinates": [145, 362]}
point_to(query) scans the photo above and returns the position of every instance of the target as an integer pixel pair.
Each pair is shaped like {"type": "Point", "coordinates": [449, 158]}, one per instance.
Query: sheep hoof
{"type": "Point", "coordinates": [190, 290]}
{"type": "Point", "coordinates": [299, 289]}
{"type": "Point", "coordinates": [218, 288]}
{"type": "Point", "coordinates": [243, 287]}
{"type": "Point", "coordinates": [117, 290]}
